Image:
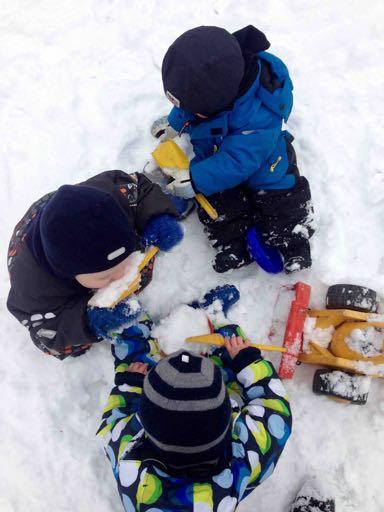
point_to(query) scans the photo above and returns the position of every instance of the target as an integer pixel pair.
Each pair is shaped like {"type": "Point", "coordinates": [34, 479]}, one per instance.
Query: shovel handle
{"type": "Point", "coordinates": [218, 339]}
{"type": "Point", "coordinates": [206, 205]}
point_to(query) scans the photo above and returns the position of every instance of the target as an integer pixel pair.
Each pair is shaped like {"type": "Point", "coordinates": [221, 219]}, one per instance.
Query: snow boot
{"type": "Point", "coordinates": [296, 256]}
{"type": "Point", "coordinates": [232, 256]}
{"type": "Point", "coordinates": [311, 498]}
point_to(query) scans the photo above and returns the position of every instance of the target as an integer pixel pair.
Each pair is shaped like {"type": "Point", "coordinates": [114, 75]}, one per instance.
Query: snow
{"type": "Point", "coordinates": [321, 337]}
{"type": "Point", "coordinates": [368, 342]}
{"type": "Point", "coordinates": [181, 323]}
{"type": "Point", "coordinates": [345, 385]}
{"type": "Point", "coordinates": [79, 90]}
{"type": "Point", "coordinates": [106, 297]}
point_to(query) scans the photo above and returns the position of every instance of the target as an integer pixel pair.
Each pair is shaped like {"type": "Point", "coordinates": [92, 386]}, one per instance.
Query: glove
{"type": "Point", "coordinates": [162, 130]}
{"type": "Point", "coordinates": [181, 186]}
{"type": "Point", "coordinates": [102, 321]}
{"type": "Point", "coordinates": [163, 231]}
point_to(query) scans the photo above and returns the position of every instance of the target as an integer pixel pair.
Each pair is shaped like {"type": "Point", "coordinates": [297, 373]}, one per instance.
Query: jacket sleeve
{"type": "Point", "coordinates": [120, 424]}
{"type": "Point", "coordinates": [263, 423]}
{"type": "Point", "coordinates": [138, 196]}
{"type": "Point", "coordinates": [151, 202]}
{"type": "Point", "coordinates": [178, 117]}
{"type": "Point", "coordinates": [238, 157]}
{"type": "Point", "coordinates": [59, 328]}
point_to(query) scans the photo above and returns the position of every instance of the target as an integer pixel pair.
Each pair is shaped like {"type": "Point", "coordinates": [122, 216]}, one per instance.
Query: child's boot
{"type": "Point", "coordinates": [231, 256]}
{"type": "Point", "coordinates": [311, 498]}
{"type": "Point", "coordinates": [296, 256]}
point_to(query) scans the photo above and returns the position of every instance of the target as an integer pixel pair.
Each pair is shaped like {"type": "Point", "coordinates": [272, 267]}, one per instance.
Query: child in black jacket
{"type": "Point", "coordinates": [76, 239]}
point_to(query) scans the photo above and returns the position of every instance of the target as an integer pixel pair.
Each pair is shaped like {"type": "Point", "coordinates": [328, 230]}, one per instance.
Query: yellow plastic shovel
{"type": "Point", "coordinates": [134, 286]}
{"type": "Point", "coordinates": [169, 154]}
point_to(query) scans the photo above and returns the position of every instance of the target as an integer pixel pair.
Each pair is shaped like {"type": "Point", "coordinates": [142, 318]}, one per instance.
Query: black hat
{"type": "Point", "coordinates": [202, 70]}
{"type": "Point", "coordinates": [84, 230]}
{"type": "Point", "coordinates": [185, 411]}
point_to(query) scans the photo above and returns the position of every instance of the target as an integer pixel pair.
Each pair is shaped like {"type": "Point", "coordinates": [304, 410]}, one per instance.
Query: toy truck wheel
{"type": "Point", "coordinates": [351, 296]}
{"type": "Point", "coordinates": [342, 386]}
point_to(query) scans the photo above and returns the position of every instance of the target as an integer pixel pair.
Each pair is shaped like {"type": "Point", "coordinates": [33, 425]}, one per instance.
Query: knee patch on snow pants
{"type": "Point", "coordinates": [284, 217]}
{"type": "Point", "coordinates": [227, 233]}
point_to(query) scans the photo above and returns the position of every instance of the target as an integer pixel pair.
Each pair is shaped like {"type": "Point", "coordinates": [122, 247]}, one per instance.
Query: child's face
{"type": "Point", "coordinates": [102, 279]}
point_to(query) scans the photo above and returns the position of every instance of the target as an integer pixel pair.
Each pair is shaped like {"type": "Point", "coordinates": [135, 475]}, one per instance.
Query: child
{"type": "Point", "coordinates": [78, 238]}
{"type": "Point", "coordinates": [232, 97]}
{"type": "Point", "coordinates": [178, 438]}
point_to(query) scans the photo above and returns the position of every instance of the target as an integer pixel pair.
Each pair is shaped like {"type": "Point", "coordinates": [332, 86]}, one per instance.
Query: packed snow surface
{"type": "Point", "coordinates": [80, 86]}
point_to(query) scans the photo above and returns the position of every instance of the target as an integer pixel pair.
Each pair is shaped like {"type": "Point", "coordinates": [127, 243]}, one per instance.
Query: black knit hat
{"type": "Point", "coordinates": [185, 411]}
{"type": "Point", "coordinates": [202, 70]}
{"type": "Point", "coordinates": [84, 230]}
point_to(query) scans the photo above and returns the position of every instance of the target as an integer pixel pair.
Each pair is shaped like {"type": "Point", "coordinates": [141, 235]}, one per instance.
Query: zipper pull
{"type": "Point", "coordinates": [275, 164]}
{"type": "Point", "coordinates": [184, 127]}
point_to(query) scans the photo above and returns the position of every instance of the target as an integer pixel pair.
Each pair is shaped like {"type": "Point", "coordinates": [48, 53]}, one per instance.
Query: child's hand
{"type": "Point", "coordinates": [162, 130]}
{"type": "Point", "coordinates": [235, 344]}
{"type": "Point", "coordinates": [138, 368]}
{"type": "Point", "coordinates": [181, 185]}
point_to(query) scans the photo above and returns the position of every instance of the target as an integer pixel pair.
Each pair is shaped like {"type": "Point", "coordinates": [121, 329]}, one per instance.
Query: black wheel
{"type": "Point", "coordinates": [351, 296]}
{"type": "Point", "coordinates": [342, 386]}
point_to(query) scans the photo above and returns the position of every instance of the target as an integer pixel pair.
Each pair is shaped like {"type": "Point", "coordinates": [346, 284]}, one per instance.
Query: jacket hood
{"type": "Point", "coordinates": [251, 40]}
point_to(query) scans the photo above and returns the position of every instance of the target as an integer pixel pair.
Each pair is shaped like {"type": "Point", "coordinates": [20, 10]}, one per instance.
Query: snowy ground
{"type": "Point", "coordinates": [80, 85]}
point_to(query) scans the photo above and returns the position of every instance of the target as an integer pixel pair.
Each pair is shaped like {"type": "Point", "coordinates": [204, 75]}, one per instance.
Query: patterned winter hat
{"type": "Point", "coordinates": [185, 411]}
{"type": "Point", "coordinates": [84, 230]}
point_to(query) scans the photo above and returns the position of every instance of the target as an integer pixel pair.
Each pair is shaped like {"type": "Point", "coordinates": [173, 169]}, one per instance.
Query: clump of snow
{"type": "Point", "coordinates": [368, 342]}
{"type": "Point", "coordinates": [376, 317]}
{"type": "Point", "coordinates": [215, 313]}
{"type": "Point", "coordinates": [183, 322]}
{"type": "Point", "coordinates": [321, 337]}
{"type": "Point", "coordinates": [301, 229]}
{"type": "Point", "coordinates": [368, 368]}
{"type": "Point", "coordinates": [106, 297]}
{"type": "Point", "coordinates": [345, 385]}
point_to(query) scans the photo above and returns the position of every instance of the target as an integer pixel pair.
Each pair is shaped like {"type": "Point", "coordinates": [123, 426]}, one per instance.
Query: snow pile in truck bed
{"type": "Point", "coordinates": [321, 337]}
{"type": "Point", "coordinates": [368, 342]}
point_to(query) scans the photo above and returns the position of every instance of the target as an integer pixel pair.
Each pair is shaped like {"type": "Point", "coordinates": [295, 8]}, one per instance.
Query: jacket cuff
{"type": "Point", "coordinates": [130, 378]}
{"type": "Point", "coordinates": [244, 358]}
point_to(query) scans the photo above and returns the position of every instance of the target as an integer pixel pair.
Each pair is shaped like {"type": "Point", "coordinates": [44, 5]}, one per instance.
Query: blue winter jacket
{"type": "Point", "coordinates": [245, 144]}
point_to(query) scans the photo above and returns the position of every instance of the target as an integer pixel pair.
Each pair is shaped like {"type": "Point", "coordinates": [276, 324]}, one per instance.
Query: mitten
{"type": "Point", "coordinates": [163, 231]}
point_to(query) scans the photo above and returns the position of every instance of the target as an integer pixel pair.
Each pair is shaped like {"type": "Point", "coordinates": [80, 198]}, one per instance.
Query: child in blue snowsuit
{"type": "Point", "coordinates": [231, 97]}
{"type": "Point", "coordinates": [189, 432]}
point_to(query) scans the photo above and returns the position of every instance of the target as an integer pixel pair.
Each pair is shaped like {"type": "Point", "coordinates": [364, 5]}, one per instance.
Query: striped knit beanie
{"type": "Point", "coordinates": [185, 411]}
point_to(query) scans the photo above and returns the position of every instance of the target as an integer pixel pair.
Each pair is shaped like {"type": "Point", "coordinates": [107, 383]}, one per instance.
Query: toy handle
{"type": "Point", "coordinates": [206, 205]}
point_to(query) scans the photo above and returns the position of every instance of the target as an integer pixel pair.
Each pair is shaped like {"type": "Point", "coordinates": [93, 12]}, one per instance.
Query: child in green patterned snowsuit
{"type": "Point", "coordinates": [259, 424]}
